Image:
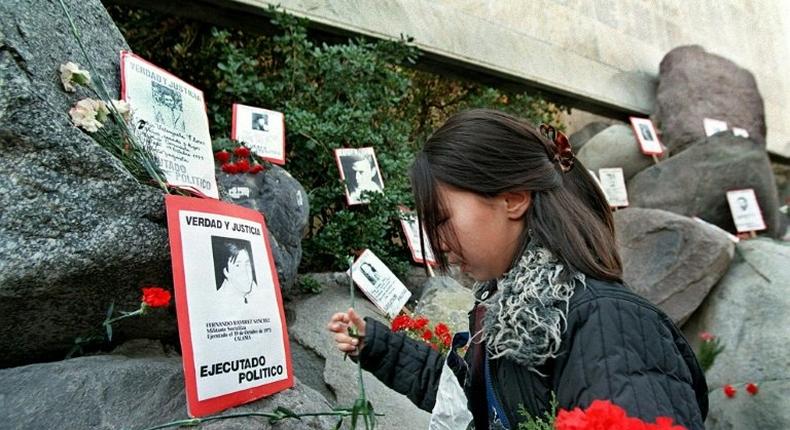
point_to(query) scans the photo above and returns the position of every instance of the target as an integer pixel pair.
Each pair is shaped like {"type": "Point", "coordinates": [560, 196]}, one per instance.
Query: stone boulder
{"type": "Point", "coordinates": [584, 134]}
{"type": "Point", "coordinates": [139, 387]}
{"type": "Point", "coordinates": [669, 259]}
{"type": "Point", "coordinates": [443, 299]}
{"type": "Point", "coordinates": [694, 84]}
{"type": "Point", "coordinates": [323, 364]}
{"type": "Point", "coordinates": [749, 311]}
{"type": "Point", "coordinates": [695, 182]}
{"type": "Point", "coordinates": [77, 231]}
{"type": "Point", "coordinates": [616, 146]}
{"type": "Point", "coordinates": [283, 201]}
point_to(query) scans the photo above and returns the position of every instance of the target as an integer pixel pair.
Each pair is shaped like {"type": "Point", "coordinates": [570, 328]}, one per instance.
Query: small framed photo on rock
{"type": "Point", "coordinates": [379, 284]}
{"type": "Point", "coordinates": [612, 183]}
{"type": "Point", "coordinates": [261, 130]}
{"type": "Point", "coordinates": [745, 210]}
{"type": "Point", "coordinates": [360, 173]}
{"type": "Point", "coordinates": [412, 231]}
{"type": "Point", "coordinates": [646, 136]}
{"type": "Point", "coordinates": [713, 126]}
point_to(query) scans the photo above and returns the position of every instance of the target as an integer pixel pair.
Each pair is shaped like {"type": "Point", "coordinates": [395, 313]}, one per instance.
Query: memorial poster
{"type": "Point", "coordinates": [740, 132]}
{"type": "Point", "coordinates": [261, 130]}
{"type": "Point", "coordinates": [713, 126]}
{"type": "Point", "coordinates": [360, 172]}
{"type": "Point", "coordinates": [408, 222]}
{"type": "Point", "coordinates": [646, 136]}
{"type": "Point", "coordinates": [230, 314]}
{"type": "Point", "coordinates": [169, 120]}
{"type": "Point", "coordinates": [745, 210]}
{"type": "Point", "coordinates": [379, 284]}
{"type": "Point", "coordinates": [612, 183]}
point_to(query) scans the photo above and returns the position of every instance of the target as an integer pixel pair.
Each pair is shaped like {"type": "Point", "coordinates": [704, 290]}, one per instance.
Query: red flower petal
{"type": "Point", "coordinates": [707, 337]}
{"type": "Point", "coordinates": [256, 168]}
{"type": "Point", "coordinates": [420, 323]}
{"type": "Point", "coordinates": [427, 335]}
{"type": "Point", "coordinates": [222, 156]}
{"type": "Point", "coordinates": [230, 168]}
{"type": "Point", "coordinates": [752, 388]}
{"type": "Point", "coordinates": [441, 329]}
{"type": "Point", "coordinates": [156, 297]}
{"type": "Point", "coordinates": [242, 151]}
{"type": "Point", "coordinates": [729, 391]}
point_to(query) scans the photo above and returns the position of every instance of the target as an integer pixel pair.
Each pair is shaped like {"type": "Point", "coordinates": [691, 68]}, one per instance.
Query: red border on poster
{"type": "Point", "coordinates": [634, 120]}
{"type": "Point", "coordinates": [759, 208]}
{"type": "Point", "coordinates": [196, 408]}
{"type": "Point", "coordinates": [413, 246]}
{"type": "Point", "coordinates": [233, 134]}
{"type": "Point", "coordinates": [343, 176]}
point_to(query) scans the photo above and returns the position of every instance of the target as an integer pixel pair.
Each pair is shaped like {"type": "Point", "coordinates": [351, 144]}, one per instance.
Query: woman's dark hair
{"type": "Point", "coordinates": [489, 152]}
{"type": "Point", "coordinates": [225, 248]}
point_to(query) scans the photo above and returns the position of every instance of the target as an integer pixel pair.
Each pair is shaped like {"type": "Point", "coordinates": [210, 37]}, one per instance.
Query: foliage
{"type": "Point", "coordinates": [353, 94]}
{"type": "Point", "coordinates": [537, 423]}
{"type": "Point", "coordinates": [709, 349]}
{"type": "Point", "coordinates": [308, 284]}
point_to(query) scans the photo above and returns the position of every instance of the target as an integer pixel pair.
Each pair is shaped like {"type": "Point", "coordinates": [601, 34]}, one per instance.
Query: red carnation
{"type": "Point", "coordinates": [427, 335]}
{"type": "Point", "coordinates": [256, 168]}
{"type": "Point", "coordinates": [401, 322]}
{"type": "Point", "coordinates": [752, 388]}
{"type": "Point", "coordinates": [222, 156]}
{"type": "Point", "coordinates": [420, 323]}
{"type": "Point", "coordinates": [729, 391]}
{"type": "Point", "coordinates": [707, 337]}
{"type": "Point", "coordinates": [242, 151]}
{"type": "Point", "coordinates": [230, 168]}
{"type": "Point", "coordinates": [441, 329]}
{"type": "Point", "coordinates": [243, 165]}
{"type": "Point", "coordinates": [155, 297]}
{"type": "Point", "coordinates": [446, 339]}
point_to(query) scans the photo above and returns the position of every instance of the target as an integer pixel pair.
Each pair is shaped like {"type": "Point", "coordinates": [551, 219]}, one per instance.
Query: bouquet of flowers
{"type": "Point", "coordinates": [438, 336]}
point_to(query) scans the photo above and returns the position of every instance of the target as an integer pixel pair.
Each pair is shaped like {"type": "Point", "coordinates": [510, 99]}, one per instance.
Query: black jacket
{"type": "Point", "coordinates": [617, 347]}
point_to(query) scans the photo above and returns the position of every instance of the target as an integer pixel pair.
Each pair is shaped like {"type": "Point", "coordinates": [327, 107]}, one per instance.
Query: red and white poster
{"type": "Point", "coordinates": [231, 321]}
{"type": "Point", "coordinates": [646, 136]}
{"type": "Point", "coordinates": [408, 221]}
{"type": "Point", "coordinates": [169, 120]}
{"type": "Point", "coordinates": [745, 210]}
{"type": "Point", "coordinates": [261, 130]}
{"type": "Point", "coordinates": [359, 170]}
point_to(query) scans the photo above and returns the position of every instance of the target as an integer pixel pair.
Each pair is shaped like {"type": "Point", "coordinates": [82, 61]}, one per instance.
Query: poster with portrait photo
{"type": "Point", "coordinates": [646, 136]}
{"type": "Point", "coordinates": [612, 183]}
{"type": "Point", "coordinates": [379, 284]}
{"type": "Point", "coordinates": [713, 126]}
{"type": "Point", "coordinates": [169, 120]}
{"type": "Point", "coordinates": [231, 321]}
{"type": "Point", "coordinates": [261, 130]}
{"type": "Point", "coordinates": [360, 173]}
{"type": "Point", "coordinates": [408, 221]}
{"type": "Point", "coordinates": [745, 210]}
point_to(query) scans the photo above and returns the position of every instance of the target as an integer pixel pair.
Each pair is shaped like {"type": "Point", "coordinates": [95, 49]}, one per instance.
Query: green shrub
{"type": "Point", "coordinates": [355, 94]}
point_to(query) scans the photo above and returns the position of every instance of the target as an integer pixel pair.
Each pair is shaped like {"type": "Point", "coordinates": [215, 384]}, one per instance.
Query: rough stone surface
{"type": "Point", "coordinates": [443, 299]}
{"type": "Point", "coordinates": [283, 201]}
{"type": "Point", "coordinates": [616, 146]}
{"type": "Point", "coordinates": [585, 133]}
{"type": "Point", "coordinates": [695, 182]}
{"type": "Point", "coordinates": [138, 387]}
{"type": "Point", "coordinates": [671, 260]}
{"type": "Point", "coordinates": [73, 219]}
{"type": "Point", "coordinates": [77, 231]}
{"type": "Point", "coordinates": [693, 85]}
{"type": "Point", "coordinates": [308, 328]}
{"type": "Point", "coordinates": [749, 311]}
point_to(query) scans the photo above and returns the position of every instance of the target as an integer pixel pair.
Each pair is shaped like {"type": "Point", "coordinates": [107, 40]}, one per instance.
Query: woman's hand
{"type": "Point", "coordinates": [339, 325]}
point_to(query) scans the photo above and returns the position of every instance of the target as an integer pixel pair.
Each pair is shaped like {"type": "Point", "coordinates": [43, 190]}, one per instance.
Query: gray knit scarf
{"type": "Point", "coordinates": [526, 316]}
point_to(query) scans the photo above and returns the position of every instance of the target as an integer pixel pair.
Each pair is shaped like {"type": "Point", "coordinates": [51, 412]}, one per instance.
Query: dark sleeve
{"type": "Point", "coordinates": [626, 352]}
{"type": "Point", "coordinates": [409, 367]}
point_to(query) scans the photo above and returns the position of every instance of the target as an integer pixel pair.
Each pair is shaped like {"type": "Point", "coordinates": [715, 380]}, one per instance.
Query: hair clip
{"type": "Point", "coordinates": [563, 154]}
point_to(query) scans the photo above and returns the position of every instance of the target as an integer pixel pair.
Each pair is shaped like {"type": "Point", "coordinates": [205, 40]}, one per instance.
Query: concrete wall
{"type": "Point", "coordinates": [604, 52]}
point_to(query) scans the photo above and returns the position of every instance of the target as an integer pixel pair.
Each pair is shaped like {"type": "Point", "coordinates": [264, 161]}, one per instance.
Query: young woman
{"type": "Point", "coordinates": [552, 317]}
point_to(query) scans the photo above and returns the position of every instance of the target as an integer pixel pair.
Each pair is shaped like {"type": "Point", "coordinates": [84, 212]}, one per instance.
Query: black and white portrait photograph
{"type": "Point", "coordinates": [234, 269]}
{"type": "Point", "coordinates": [745, 210]}
{"type": "Point", "coordinates": [360, 172]}
{"type": "Point", "coordinates": [379, 284]}
{"type": "Point", "coordinates": [260, 121]}
{"type": "Point", "coordinates": [168, 106]}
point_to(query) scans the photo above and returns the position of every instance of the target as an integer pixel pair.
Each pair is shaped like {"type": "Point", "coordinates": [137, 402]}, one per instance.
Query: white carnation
{"type": "Point", "coordinates": [89, 114]}
{"type": "Point", "coordinates": [123, 109]}
{"type": "Point", "coordinates": [71, 73]}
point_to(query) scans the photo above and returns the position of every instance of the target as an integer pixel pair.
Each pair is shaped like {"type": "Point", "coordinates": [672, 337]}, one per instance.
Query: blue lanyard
{"type": "Point", "coordinates": [496, 413]}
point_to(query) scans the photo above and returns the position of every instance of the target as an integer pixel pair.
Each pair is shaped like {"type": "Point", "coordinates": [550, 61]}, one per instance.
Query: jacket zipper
{"type": "Point", "coordinates": [492, 387]}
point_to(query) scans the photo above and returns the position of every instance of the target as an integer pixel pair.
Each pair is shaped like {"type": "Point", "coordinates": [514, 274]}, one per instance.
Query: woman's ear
{"type": "Point", "coordinates": [517, 203]}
